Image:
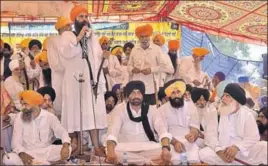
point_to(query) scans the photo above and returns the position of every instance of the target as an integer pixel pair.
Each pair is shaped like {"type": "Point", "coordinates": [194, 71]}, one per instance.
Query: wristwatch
{"type": "Point", "coordinates": [168, 147]}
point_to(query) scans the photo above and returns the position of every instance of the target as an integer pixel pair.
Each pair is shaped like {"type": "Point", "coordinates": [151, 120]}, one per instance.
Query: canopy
{"type": "Point", "coordinates": [240, 20]}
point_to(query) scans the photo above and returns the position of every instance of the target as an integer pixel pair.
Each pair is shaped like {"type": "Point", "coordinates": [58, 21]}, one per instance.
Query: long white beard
{"type": "Point", "coordinates": [226, 109]}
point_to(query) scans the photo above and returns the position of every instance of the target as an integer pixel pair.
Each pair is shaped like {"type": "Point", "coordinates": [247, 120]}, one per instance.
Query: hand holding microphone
{"type": "Point", "coordinates": [85, 31]}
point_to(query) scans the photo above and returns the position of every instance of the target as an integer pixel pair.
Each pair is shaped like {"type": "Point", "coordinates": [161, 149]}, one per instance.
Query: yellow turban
{"type": "Point", "coordinates": [25, 43]}
{"type": "Point", "coordinates": [175, 84]}
{"type": "Point", "coordinates": [31, 97]}
{"type": "Point", "coordinates": [76, 10]}
{"type": "Point", "coordinates": [161, 39]}
{"type": "Point", "coordinates": [144, 30]}
{"type": "Point", "coordinates": [103, 39]}
{"type": "Point", "coordinates": [173, 44]}
{"type": "Point", "coordinates": [45, 44]}
{"type": "Point", "coordinates": [41, 57]}
{"type": "Point", "coordinates": [116, 50]}
{"type": "Point", "coordinates": [62, 22]}
{"type": "Point", "coordinates": [1, 44]}
{"type": "Point", "coordinates": [200, 51]}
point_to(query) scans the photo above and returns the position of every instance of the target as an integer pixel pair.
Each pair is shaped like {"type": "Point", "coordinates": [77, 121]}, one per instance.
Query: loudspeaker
{"type": "Point", "coordinates": [265, 73]}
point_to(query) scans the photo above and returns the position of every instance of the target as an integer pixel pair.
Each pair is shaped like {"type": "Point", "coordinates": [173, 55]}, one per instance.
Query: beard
{"type": "Point", "coordinates": [201, 106]}
{"type": "Point", "coordinates": [109, 108]}
{"type": "Point", "coordinates": [261, 127]}
{"type": "Point", "coordinates": [173, 58]}
{"type": "Point", "coordinates": [47, 76]}
{"type": "Point", "coordinates": [177, 102]}
{"type": "Point", "coordinates": [135, 102]}
{"type": "Point", "coordinates": [225, 109]}
{"type": "Point", "coordinates": [79, 25]}
{"type": "Point", "coordinates": [27, 115]}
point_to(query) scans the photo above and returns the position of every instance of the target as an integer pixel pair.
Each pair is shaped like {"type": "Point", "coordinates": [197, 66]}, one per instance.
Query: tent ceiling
{"type": "Point", "coordinates": [241, 20]}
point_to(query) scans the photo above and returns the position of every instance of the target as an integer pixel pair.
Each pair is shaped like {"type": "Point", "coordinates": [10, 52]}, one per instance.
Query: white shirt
{"type": "Point", "coordinates": [152, 57]}
{"type": "Point", "coordinates": [14, 87]}
{"type": "Point", "coordinates": [179, 120]}
{"type": "Point", "coordinates": [209, 121]}
{"type": "Point", "coordinates": [123, 129]}
{"type": "Point", "coordinates": [38, 133]}
{"type": "Point", "coordinates": [187, 72]}
{"type": "Point", "coordinates": [239, 129]}
{"type": "Point", "coordinates": [115, 71]}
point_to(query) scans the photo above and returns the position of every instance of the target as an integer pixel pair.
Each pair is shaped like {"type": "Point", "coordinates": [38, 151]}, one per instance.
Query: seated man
{"type": "Point", "coordinates": [33, 132]}
{"type": "Point", "coordinates": [238, 133]}
{"type": "Point", "coordinates": [187, 94]}
{"type": "Point", "coordinates": [262, 123]}
{"type": "Point", "coordinates": [49, 96]}
{"type": "Point", "coordinates": [182, 121]}
{"type": "Point", "coordinates": [208, 117]}
{"type": "Point", "coordinates": [132, 130]}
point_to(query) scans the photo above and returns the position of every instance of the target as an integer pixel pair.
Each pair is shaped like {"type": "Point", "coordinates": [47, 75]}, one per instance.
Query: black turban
{"type": "Point", "coordinates": [236, 92]}
{"type": "Point", "coordinates": [35, 42]}
{"type": "Point", "coordinates": [47, 90]}
{"type": "Point", "coordinates": [161, 93]}
{"type": "Point", "coordinates": [7, 46]}
{"type": "Point", "coordinates": [111, 94]}
{"type": "Point", "coordinates": [198, 92]}
{"type": "Point", "coordinates": [128, 44]}
{"type": "Point", "coordinates": [189, 88]}
{"type": "Point", "coordinates": [132, 85]}
{"type": "Point", "coordinates": [264, 110]}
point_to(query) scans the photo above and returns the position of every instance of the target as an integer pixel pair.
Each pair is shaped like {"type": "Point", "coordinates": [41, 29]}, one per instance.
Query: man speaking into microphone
{"type": "Point", "coordinates": [77, 96]}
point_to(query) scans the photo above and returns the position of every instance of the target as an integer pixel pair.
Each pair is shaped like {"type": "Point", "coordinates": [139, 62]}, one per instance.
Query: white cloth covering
{"type": "Point", "coordinates": [115, 71]}
{"type": "Point", "coordinates": [187, 72]}
{"type": "Point", "coordinates": [74, 65]}
{"type": "Point", "coordinates": [178, 122]}
{"type": "Point", "coordinates": [35, 138]}
{"type": "Point", "coordinates": [130, 136]}
{"type": "Point", "coordinates": [239, 129]}
{"type": "Point", "coordinates": [209, 121]}
{"type": "Point", "coordinates": [152, 57]}
{"type": "Point", "coordinates": [14, 87]}
{"type": "Point", "coordinates": [57, 70]}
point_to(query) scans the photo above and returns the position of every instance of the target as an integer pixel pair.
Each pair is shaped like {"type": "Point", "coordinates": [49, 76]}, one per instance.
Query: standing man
{"type": "Point", "coordinates": [146, 62]}
{"type": "Point", "coordinates": [5, 60]}
{"type": "Point", "coordinates": [159, 40]}
{"type": "Point", "coordinates": [190, 69]}
{"type": "Point", "coordinates": [55, 63]}
{"type": "Point", "coordinates": [128, 48]}
{"type": "Point", "coordinates": [86, 99]}
{"type": "Point", "coordinates": [173, 46]}
{"type": "Point", "coordinates": [217, 78]}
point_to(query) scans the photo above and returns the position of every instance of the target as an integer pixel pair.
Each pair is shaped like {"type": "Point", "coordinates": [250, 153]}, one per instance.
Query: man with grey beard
{"type": "Point", "coordinates": [238, 136]}
{"type": "Point", "coordinates": [33, 133]}
{"type": "Point", "coordinates": [208, 117]}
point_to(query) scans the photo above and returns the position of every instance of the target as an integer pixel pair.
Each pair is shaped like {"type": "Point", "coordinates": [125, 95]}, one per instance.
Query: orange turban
{"type": "Point", "coordinates": [173, 44]}
{"type": "Point", "coordinates": [62, 22]}
{"type": "Point", "coordinates": [103, 39]}
{"type": "Point", "coordinates": [1, 44]}
{"type": "Point", "coordinates": [200, 51]}
{"type": "Point", "coordinates": [144, 30]}
{"type": "Point", "coordinates": [45, 44]}
{"type": "Point", "coordinates": [41, 57]}
{"type": "Point", "coordinates": [161, 38]}
{"type": "Point", "coordinates": [76, 10]}
{"type": "Point", "coordinates": [25, 43]}
{"type": "Point", "coordinates": [31, 97]}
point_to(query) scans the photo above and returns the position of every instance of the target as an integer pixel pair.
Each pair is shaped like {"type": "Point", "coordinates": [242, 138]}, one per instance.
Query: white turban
{"type": "Point", "coordinates": [14, 64]}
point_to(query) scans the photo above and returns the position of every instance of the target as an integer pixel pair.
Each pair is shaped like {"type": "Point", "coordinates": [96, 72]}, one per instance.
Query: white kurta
{"type": "Point", "coordinates": [74, 65]}
{"type": "Point", "coordinates": [179, 122]}
{"type": "Point", "coordinates": [14, 87]}
{"type": "Point", "coordinates": [115, 71]}
{"type": "Point", "coordinates": [35, 138]}
{"type": "Point", "coordinates": [209, 121]}
{"type": "Point", "coordinates": [239, 129]}
{"type": "Point", "coordinates": [187, 72]}
{"type": "Point", "coordinates": [131, 137]}
{"type": "Point", "coordinates": [154, 58]}
{"type": "Point", "coordinates": [57, 70]}
{"type": "Point", "coordinates": [124, 75]}
{"type": "Point", "coordinates": [32, 73]}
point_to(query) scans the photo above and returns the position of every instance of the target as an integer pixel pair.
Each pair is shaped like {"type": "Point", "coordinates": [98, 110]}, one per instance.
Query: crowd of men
{"type": "Point", "coordinates": [140, 99]}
